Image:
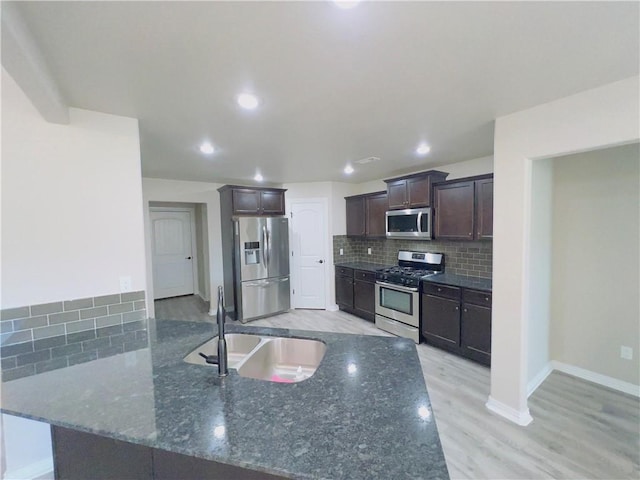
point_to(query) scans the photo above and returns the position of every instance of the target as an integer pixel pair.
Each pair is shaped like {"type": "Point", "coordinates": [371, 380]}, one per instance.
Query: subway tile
{"type": "Point", "coordinates": [6, 326]}
{"type": "Point", "coordinates": [33, 357]}
{"type": "Point", "coordinates": [50, 342]}
{"type": "Point", "coordinates": [51, 331]}
{"type": "Point", "coordinates": [95, 344]}
{"type": "Point", "coordinates": [7, 363]}
{"type": "Point", "coordinates": [11, 313]}
{"type": "Point", "coordinates": [66, 350]}
{"type": "Point", "coordinates": [56, 318]}
{"type": "Point", "coordinates": [133, 316]}
{"type": "Point", "coordinates": [46, 308]}
{"type": "Point", "coordinates": [139, 305]}
{"type": "Point", "coordinates": [81, 336]}
{"type": "Point", "coordinates": [93, 312]}
{"type": "Point", "coordinates": [81, 326]}
{"type": "Point", "coordinates": [53, 364]}
{"type": "Point", "coordinates": [20, 372]}
{"type": "Point", "coordinates": [141, 334]}
{"type": "Point", "coordinates": [121, 308]}
{"type": "Point", "coordinates": [110, 351]}
{"type": "Point", "coordinates": [82, 358]}
{"type": "Point", "coordinates": [78, 304]}
{"type": "Point", "coordinates": [106, 300]}
{"type": "Point", "coordinates": [135, 345]}
{"type": "Point", "coordinates": [31, 322]}
{"type": "Point", "coordinates": [133, 326]}
{"type": "Point", "coordinates": [12, 338]}
{"type": "Point", "coordinates": [108, 321]}
{"type": "Point", "coordinates": [108, 331]}
{"type": "Point", "coordinates": [17, 349]}
{"type": "Point", "coordinates": [131, 296]}
{"type": "Point", "coordinates": [123, 338]}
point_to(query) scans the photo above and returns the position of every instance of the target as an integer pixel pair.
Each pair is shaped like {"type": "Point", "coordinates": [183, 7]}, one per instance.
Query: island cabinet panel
{"type": "Point", "coordinates": [366, 214]}
{"type": "Point", "coordinates": [252, 200]}
{"type": "Point", "coordinates": [412, 191]}
{"type": "Point", "coordinates": [464, 209]}
{"type": "Point", "coordinates": [356, 220]}
{"type": "Point", "coordinates": [364, 294]}
{"type": "Point", "coordinates": [458, 320]}
{"type": "Point", "coordinates": [82, 456]}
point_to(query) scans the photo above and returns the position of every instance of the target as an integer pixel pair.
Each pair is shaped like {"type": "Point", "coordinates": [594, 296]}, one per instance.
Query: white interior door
{"type": "Point", "coordinates": [172, 253]}
{"type": "Point", "coordinates": [308, 242]}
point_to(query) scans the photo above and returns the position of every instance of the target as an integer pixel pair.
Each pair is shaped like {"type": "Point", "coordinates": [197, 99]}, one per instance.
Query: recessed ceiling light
{"type": "Point", "coordinates": [248, 101]}
{"type": "Point", "coordinates": [348, 169]}
{"type": "Point", "coordinates": [346, 4]}
{"type": "Point", "coordinates": [207, 148]}
{"type": "Point", "coordinates": [423, 149]}
{"type": "Point", "coordinates": [258, 177]}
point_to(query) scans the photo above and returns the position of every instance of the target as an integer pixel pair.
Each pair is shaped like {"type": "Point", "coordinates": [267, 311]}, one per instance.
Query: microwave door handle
{"type": "Point", "coordinates": [420, 222]}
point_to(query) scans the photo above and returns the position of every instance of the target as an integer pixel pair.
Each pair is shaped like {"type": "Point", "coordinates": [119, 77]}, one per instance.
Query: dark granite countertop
{"type": "Point", "coordinates": [365, 414]}
{"type": "Point", "coordinates": [370, 267]}
{"type": "Point", "coordinates": [460, 281]}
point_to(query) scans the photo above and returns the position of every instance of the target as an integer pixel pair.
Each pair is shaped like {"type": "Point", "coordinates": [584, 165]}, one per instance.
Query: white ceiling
{"type": "Point", "coordinates": [336, 85]}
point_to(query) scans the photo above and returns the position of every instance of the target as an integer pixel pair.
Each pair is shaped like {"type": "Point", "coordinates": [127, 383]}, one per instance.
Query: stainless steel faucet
{"type": "Point", "coordinates": [221, 359]}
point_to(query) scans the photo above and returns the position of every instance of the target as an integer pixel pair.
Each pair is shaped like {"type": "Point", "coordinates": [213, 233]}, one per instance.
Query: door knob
{"type": "Point", "coordinates": [188, 258]}
{"type": "Point", "coordinates": [320, 261]}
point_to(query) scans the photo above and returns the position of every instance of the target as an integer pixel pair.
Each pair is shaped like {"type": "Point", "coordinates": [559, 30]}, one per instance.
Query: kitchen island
{"type": "Point", "coordinates": [364, 414]}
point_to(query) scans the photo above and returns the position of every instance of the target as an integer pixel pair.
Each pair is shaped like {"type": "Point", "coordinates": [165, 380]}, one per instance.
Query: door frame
{"type": "Point", "coordinates": [194, 246]}
{"type": "Point", "coordinates": [327, 247]}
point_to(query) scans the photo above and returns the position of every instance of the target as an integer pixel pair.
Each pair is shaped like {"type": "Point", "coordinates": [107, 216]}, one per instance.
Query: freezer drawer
{"type": "Point", "coordinates": [261, 298]}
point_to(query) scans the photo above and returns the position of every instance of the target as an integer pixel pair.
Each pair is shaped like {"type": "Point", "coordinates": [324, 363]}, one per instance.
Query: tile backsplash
{"type": "Point", "coordinates": [38, 338]}
{"type": "Point", "coordinates": [471, 259]}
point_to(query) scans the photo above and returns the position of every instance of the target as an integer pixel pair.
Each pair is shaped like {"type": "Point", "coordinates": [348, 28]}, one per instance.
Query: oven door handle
{"type": "Point", "coordinates": [397, 287]}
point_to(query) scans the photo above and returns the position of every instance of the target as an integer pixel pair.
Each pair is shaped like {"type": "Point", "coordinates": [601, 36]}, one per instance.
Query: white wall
{"type": "Point", "coordinates": [541, 261]}
{"type": "Point", "coordinates": [71, 203]}
{"type": "Point", "coordinates": [607, 115]}
{"type": "Point", "coordinates": [596, 267]}
{"type": "Point", "coordinates": [160, 190]}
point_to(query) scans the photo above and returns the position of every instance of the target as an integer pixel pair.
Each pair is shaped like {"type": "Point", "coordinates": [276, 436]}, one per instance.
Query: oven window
{"type": "Point", "coordinates": [395, 300]}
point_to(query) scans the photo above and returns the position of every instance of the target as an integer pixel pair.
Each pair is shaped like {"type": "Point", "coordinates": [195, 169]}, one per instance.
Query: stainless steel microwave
{"type": "Point", "coordinates": [410, 224]}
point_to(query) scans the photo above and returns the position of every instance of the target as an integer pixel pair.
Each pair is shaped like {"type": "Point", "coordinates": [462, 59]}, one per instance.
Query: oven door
{"type": "Point", "coordinates": [398, 303]}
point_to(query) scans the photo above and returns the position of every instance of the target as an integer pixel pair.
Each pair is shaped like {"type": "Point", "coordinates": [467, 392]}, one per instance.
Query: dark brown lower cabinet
{"type": "Point", "coordinates": [355, 292]}
{"type": "Point", "coordinates": [82, 456]}
{"type": "Point", "coordinates": [458, 320]}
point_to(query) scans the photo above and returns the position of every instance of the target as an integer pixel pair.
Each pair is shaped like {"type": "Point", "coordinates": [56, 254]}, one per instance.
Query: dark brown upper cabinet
{"type": "Point", "coordinates": [412, 191]}
{"type": "Point", "coordinates": [253, 200]}
{"type": "Point", "coordinates": [464, 209]}
{"type": "Point", "coordinates": [366, 214]}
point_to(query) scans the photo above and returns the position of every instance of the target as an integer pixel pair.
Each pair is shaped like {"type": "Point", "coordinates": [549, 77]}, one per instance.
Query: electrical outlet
{"type": "Point", "coordinates": [626, 352]}
{"type": "Point", "coordinates": [369, 251]}
{"type": "Point", "coordinates": [125, 284]}
{"type": "Point", "coordinates": [342, 251]}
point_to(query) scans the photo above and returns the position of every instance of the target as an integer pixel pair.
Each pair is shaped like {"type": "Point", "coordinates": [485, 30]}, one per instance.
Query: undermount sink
{"type": "Point", "coordinates": [238, 347]}
{"type": "Point", "coordinates": [274, 359]}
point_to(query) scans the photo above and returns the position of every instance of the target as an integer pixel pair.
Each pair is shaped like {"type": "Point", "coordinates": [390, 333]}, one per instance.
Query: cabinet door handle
{"type": "Point", "coordinates": [439, 289]}
{"type": "Point", "coordinates": [486, 298]}
{"type": "Point", "coordinates": [465, 310]}
{"type": "Point", "coordinates": [469, 233]}
{"type": "Point", "coordinates": [457, 308]}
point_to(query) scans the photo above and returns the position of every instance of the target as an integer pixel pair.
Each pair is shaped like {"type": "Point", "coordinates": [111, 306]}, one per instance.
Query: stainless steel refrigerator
{"type": "Point", "coordinates": [261, 266]}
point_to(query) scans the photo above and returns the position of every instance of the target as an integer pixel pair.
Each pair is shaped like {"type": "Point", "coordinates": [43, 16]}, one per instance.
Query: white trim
{"type": "Point", "coordinates": [522, 417]}
{"type": "Point", "coordinates": [540, 377]}
{"type": "Point", "coordinates": [33, 470]}
{"type": "Point", "coordinates": [333, 308]}
{"type": "Point", "coordinates": [598, 378]}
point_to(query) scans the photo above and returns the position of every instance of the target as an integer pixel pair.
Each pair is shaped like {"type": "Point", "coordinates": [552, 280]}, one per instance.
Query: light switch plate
{"type": "Point", "coordinates": [369, 251]}
{"type": "Point", "coordinates": [342, 251]}
{"type": "Point", "coordinates": [626, 352]}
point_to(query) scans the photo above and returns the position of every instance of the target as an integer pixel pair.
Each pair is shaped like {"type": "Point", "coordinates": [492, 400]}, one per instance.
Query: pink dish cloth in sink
{"type": "Point", "coordinates": [276, 378]}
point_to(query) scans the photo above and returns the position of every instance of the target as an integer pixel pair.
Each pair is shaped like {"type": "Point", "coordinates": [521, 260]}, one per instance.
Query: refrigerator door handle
{"type": "Point", "coordinates": [264, 246]}
{"type": "Point", "coordinates": [268, 246]}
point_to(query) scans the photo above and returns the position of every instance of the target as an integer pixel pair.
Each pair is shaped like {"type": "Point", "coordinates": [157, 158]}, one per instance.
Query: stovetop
{"type": "Point", "coordinates": [412, 267]}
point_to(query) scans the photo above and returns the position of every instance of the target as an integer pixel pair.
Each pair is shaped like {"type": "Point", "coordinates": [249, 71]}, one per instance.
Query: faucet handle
{"type": "Point", "coordinates": [210, 359]}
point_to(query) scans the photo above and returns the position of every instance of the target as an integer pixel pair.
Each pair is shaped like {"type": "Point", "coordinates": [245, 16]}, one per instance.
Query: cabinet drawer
{"type": "Point", "coordinates": [441, 290]}
{"type": "Point", "coordinates": [477, 297]}
{"type": "Point", "coordinates": [344, 271]}
{"type": "Point", "coordinates": [364, 276]}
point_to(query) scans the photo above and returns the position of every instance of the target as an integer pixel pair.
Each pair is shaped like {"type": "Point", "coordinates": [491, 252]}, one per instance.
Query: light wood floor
{"type": "Point", "coordinates": [580, 430]}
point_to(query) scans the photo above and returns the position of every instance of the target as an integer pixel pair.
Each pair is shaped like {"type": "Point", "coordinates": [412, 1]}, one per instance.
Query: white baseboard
{"type": "Point", "coordinates": [520, 417]}
{"type": "Point", "coordinates": [41, 468]}
{"type": "Point", "coordinates": [332, 308]}
{"type": "Point", "coordinates": [598, 378]}
{"type": "Point", "coordinates": [539, 378]}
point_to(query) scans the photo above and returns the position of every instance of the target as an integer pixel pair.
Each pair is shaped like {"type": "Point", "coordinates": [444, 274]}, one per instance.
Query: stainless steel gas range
{"type": "Point", "coordinates": [398, 292]}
